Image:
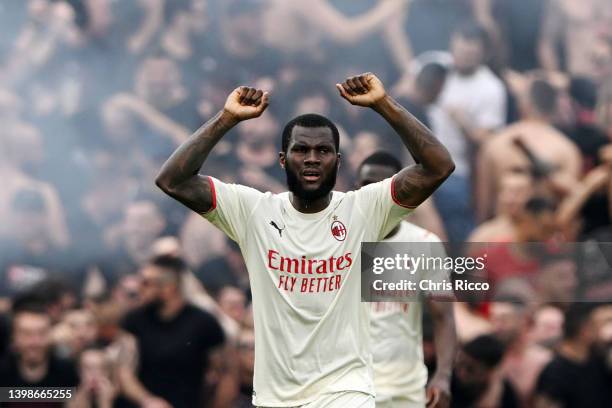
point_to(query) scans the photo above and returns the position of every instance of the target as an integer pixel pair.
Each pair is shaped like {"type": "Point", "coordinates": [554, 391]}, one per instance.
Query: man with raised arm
{"type": "Point", "coordinates": [302, 247]}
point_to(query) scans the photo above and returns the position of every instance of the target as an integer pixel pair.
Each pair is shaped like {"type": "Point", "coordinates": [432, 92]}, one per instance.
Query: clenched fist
{"type": "Point", "coordinates": [362, 90]}
{"type": "Point", "coordinates": [246, 103]}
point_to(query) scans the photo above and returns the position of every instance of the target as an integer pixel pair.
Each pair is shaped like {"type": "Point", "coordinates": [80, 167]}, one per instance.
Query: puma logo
{"type": "Point", "coordinates": [280, 230]}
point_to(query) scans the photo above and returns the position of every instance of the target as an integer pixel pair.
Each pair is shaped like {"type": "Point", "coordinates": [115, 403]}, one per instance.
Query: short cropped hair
{"type": "Point", "coordinates": [430, 75]}
{"type": "Point", "coordinates": [486, 349]}
{"type": "Point", "coordinates": [383, 158]}
{"type": "Point", "coordinates": [471, 30]}
{"type": "Point", "coordinates": [309, 120]}
{"type": "Point", "coordinates": [171, 263]}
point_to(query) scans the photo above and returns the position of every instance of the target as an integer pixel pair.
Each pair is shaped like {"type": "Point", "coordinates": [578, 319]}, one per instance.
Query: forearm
{"type": "Point", "coordinates": [177, 133]}
{"type": "Point", "coordinates": [189, 157]}
{"type": "Point", "coordinates": [426, 150]}
{"type": "Point", "coordinates": [445, 337]}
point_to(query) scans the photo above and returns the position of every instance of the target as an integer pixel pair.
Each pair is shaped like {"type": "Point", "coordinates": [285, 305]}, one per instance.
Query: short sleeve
{"type": "Point", "coordinates": [232, 207]}
{"type": "Point", "coordinates": [380, 209]}
{"type": "Point", "coordinates": [212, 333]}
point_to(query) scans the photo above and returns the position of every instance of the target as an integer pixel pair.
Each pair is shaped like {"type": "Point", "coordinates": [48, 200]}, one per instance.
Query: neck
{"type": "Point", "coordinates": [171, 308]}
{"type": "Point", "coordinates": [310, 207]}
{"type": "Point", "coordinates": [33, 372]}
{"type": "Point", "coordinates": [574, 350]}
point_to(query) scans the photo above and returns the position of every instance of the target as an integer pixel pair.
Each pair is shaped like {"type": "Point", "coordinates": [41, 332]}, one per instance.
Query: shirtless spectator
{"type": "Point", "coordinates": [514, 191]}
{"type": "Point", "coordinates": [501, 156]}
{"type": "Point", "coordinates": [285, 23]}
{"type": "Point", "coordinates": [581, 29]}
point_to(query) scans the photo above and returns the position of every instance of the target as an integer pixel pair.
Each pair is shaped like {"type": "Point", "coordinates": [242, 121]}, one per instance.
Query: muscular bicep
{"type": "Point", "coordinates": [197, 193]}
{"type": "Point", "coordinates": [413, 185]}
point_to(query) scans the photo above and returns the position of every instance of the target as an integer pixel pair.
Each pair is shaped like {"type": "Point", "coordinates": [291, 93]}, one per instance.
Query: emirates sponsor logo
{"type": "Point", "coordinates": [309, 275]}
{"type": "Point", "coordinates": [303, 265]}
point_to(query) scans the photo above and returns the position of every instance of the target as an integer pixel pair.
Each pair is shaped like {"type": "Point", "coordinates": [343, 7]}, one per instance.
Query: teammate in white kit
{"type": "Point", "coordinates": [302, 247]}
{"type": "Point", "coordinates": [400, 374]}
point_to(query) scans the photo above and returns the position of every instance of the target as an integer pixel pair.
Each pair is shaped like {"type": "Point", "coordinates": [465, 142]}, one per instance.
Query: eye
{"type": "Point", "coordinates": [299, 149]}
{"type": "Point", "coordinates": [324, 149]}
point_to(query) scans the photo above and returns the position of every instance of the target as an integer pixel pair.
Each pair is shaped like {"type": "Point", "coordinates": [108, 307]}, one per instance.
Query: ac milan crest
{"type": "Point", "coordinates": [338, 230]}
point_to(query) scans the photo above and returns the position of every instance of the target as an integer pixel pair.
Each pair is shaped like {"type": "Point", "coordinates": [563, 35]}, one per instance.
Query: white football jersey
{"type": "Point", "coordinates": [397, 331]}
{"type": "Point", "coordinates": [311, 330]}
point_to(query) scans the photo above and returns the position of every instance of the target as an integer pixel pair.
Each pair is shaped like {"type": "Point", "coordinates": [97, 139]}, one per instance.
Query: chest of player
{"type": "Point", "coordinates": [304, 254]}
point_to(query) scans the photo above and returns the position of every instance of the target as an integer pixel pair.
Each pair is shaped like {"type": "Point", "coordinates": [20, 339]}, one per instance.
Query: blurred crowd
{"type": "Point", "coordinates": [96, 94]}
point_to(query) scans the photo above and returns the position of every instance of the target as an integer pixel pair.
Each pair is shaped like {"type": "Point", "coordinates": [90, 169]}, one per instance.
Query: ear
{"type": "Point", "coordinates": [281, 159]}
{"type": "Point", "coordinates": [339, 156]}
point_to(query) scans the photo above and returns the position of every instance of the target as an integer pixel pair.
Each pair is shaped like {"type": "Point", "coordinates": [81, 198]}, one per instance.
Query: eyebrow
{"type": "Point", "coordinates": [320, 144]}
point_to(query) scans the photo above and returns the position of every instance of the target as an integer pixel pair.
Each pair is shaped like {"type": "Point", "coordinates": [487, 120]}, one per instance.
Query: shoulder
{"type": "Point", "coordinates": [134, 318]}
{"type": "Point", "coordinates": [201, 316]}
{"type": "Point", "coordinates": [485, 74]}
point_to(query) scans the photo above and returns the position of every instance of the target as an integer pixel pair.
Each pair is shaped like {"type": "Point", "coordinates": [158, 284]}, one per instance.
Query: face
{"type": "Point", "coordinates": [547, 325]}
{"type": "Point", "coordinates": [93, 365]}
{"type": "Point", "coordinates": [558, 282]}
{"type": "Point", "coordinates": [536, 227]}
{"type": "Point", "coordinates": [32, 337]}
{"type": "Point", "coordinates": [507, 320]}
{"type": "Point", "coordinates": [515, 190]}
{"type": "Point", "coordinates": [311, 162]}
{"type": "Point", "coordinates": [233, 302]}
{"type": "Point", "coordinates": [373, 173]}
{"type": "Point", "coordinates": [468, 54]}
{"type": "Point", "coordinates": [157, 285]}
{"type": "Point", "coordinates": [83, 326]}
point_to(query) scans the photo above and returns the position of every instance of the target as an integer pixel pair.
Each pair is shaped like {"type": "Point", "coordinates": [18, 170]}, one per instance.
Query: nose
{"type": "Point", "coordinates": [312, 157]}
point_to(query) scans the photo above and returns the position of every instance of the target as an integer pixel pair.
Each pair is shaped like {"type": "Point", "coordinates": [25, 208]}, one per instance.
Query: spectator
{"type": "Point", "coordinates": [31, 362]}
{"type": "Point", "coordinates": [172, 375]}
{"type": "Point", "coordinates": [575, 377]}
{"type": "Point", "coordinates": [97, 387]}
{"type": "Point", "coordinates": [232, 301]}
{"type": "Point", "coordinates": [473, 103]}
{"type": "Point", "coordinates": [547, 325]}
{"type": "Point", "coordinates": [477, 379]}
{"type": "Point", "coordinates": [501, 155]}
{"type": "Point", "coordinates": [523, 360]}
{"type": "Point", "coordinates": [579, 29]}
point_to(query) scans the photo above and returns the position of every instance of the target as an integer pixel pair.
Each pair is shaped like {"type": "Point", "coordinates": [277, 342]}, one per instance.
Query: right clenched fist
{"type": "Point", "coordinates": [246, 103]}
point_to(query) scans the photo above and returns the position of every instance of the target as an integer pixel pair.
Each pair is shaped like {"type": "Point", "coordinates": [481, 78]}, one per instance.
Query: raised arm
{"type": "Point", "coordinates": [179, 176]}
{"type": "Point", "coordinates": [413, 184]}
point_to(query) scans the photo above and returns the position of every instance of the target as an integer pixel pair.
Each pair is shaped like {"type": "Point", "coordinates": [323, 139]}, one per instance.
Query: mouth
{"type": "Point", "coordinates": [311, 176]}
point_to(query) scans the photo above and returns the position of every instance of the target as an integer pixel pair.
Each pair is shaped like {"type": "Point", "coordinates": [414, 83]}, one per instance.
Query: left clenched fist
{"type": "Point", "coordinates": [362, 90]}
